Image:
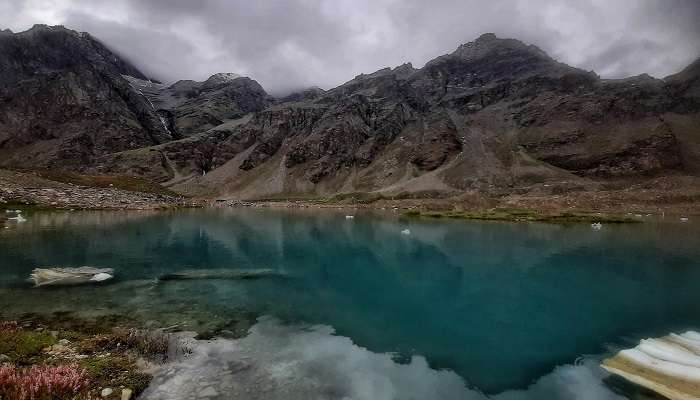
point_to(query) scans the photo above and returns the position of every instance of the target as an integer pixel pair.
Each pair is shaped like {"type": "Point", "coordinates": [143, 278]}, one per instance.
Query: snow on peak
{"type": "Point", "coordinates": [222, 77]}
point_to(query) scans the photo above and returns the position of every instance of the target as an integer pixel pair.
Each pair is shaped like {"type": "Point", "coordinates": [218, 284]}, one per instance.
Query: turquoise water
{"type": "Point", "coordinates": [500, 304]}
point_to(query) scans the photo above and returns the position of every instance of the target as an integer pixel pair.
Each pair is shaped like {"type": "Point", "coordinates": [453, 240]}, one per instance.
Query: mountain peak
{"type": "Point", "coordinates": [487, 37]}
{"type": "Point", "coordinates": [489, 43]}
{"type": "Point", "coordinates": [222, 77]}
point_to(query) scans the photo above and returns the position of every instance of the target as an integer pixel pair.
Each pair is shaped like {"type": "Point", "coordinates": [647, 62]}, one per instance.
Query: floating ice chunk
{"type": "Point", "coordinates": [662, 367]}
{"type": "Point", "coordinates": [101, 277]}
{"type": "Point", "coordinates": [669, 366]}
{"type": "Point", "coordinates": [692, 335]}
{"type": "Point", "coordinates": [18, 218]}
{"type": "Point", "coordinates": [685, 341]}
{"type": "Point", "coordinates": [668, 351]}
{"type": "Point", "coordinates": [405, 232]}
{"type": "Point", "coordinates": [69, 276]}
{"type": "Point", "coordinates": [349, 217]}
{"type": "Point", "coordinates": [596, 225]}
{"type": "Point", "coordinates": [684, 219]}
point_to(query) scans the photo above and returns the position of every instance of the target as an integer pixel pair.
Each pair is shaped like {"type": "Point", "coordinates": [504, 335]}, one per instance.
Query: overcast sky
{"type": "Point", "coordinates": [289, 44]}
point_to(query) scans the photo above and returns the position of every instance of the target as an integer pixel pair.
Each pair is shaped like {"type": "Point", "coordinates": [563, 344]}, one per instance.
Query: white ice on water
{"type": "Point", "coordinates": [669, 365]}
{"type": "Point", "coordinates": [69, 276]}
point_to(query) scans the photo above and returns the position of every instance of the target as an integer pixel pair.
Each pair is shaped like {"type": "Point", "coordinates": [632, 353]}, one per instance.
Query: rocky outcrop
{"type": "Point", "coordinates": [64, 101]}
{"type": "Point", "coordinates": [189, 107]}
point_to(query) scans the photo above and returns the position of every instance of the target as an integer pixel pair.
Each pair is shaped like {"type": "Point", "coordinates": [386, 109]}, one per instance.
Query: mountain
{"type": "Point", "coordinates": [67, 100]}
{"type": "Point", "coordinates": [64, 101]}
{"type": "Point", "coordinates": [496, 116]}
{"type": "Point", "coordinates": [190, 107]}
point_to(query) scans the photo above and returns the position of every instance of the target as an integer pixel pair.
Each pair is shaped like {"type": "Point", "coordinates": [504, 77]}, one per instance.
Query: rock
{"type": "Point", "coordinates": [209, 392]}
{"type": "Point", "coordinates": [4, 358]}
{"type": "Point", "coordinates": [126, 394]}
{"type": "Point", "coordinates": [123, 118]}
{"type": "Point", "coordinates": [64, 342]}
{"type": "Point", "coordinates": [106, 392]}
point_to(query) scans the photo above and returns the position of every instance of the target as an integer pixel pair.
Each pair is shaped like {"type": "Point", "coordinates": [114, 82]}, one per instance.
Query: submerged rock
{"type": "Point", "coordinates": [222, 274]}
{"type": "Point", "coordinates": [69, 276]}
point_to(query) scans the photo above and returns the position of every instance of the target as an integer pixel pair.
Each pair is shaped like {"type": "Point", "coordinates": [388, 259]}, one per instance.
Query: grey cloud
{"type": "Point", "coordinates": [289, 44]}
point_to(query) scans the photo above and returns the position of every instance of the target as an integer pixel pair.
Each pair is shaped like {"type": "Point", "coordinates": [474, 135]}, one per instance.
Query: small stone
{"type": "Point", "coordinates": [64, 342]}
{"type": "Point", "coordinates": [209, 392]}
{"type": "Point", "coordinates": [126, 394]}
{"type": "Point", "coordinates": [106, 392]}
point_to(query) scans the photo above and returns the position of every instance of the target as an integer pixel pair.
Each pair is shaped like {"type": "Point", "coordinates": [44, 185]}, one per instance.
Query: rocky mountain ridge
{"type": "Point", "coordinates": [496, 116]}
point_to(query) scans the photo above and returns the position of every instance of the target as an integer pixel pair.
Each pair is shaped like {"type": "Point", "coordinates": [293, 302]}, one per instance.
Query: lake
{"type": "Point", "coordinates": [453, 309]}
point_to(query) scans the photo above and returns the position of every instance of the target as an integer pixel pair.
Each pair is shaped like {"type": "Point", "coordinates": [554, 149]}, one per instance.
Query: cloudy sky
{"type": "Point", "coordinates": [289, 44]}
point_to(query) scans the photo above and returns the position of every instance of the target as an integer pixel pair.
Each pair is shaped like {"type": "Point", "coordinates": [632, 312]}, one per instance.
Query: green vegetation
{"type": "Point", "coordinates": [117, 181]}
{"type": "Point", "coordinates": [116, 371]}
{"type": "Point", "coordinates": [108, 355]}
{"type": "Point", "coordinates": [353, 197]}
{"type": "Point", "coordinates": [23, 347]}
{"type": "Point", "coordinates": [524, 215]}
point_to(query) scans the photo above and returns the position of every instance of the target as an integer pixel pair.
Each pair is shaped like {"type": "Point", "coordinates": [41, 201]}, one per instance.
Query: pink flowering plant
{"type": "Point", "coordinates": [42, 382]}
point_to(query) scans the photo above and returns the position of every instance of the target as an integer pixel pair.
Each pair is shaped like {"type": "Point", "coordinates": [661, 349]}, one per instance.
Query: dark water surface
{"type": "Point", "coordinates": [500, 304]}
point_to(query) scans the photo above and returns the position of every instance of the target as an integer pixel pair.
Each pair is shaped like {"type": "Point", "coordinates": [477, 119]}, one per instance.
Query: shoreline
{"type": "Point", "coordinates": [64, 191]}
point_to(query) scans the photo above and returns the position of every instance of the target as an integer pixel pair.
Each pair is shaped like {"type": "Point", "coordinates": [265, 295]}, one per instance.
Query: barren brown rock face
{"type": "Point", "coordinates": [493, 116]}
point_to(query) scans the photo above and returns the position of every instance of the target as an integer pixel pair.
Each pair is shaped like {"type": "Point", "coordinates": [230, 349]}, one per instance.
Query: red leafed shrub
{"type": "Point", "coordinates": [42, 382]}
{"type": "Point", "coordinates": [9, 326]}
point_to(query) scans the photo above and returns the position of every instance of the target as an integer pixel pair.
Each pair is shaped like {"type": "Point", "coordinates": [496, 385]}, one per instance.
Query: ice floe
{"type": "Point", "coordinates": [69, 276]}
{"type": "Point", "coordinates": [669, 366]}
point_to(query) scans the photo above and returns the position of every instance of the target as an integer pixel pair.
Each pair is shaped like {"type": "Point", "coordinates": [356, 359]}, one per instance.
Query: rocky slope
{"type": "Point", "coordinates": [20, 190]}
{"type": "Point", "coordinates": [189, 107]}
{"type": "Point", "coordinates": [496, 117]}
{"type": "Point", "coordinates": [64, 101]}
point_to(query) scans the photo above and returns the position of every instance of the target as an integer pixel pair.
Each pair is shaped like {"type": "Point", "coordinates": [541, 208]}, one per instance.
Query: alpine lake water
{"type": "Point", "coordinates": [360, 310]}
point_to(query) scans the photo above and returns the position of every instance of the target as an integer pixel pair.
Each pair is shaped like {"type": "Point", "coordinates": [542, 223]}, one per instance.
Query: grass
{"type": "Point", "coordinates": [22, 205]}
{"type": "Point", "coordinates": [22, 347]}
{"type": "Point", "coordinates": [108, 355]}
{"type": "Point", "coordinates": [524, 215]}
{"type": "Point", "coordinates": [117, 181]}
{"type": "Point", "coordinates": [116, 371]}
{"type": "Point", "coordinates": [352, 197]}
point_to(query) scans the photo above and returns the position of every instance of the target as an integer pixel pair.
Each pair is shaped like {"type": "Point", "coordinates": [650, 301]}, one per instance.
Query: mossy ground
{"type": "Point", "coordinates": [24, 347]}
{"type": "Point", "coordinates": [116, 371]}
{"type": "Point", "coordinates": [117, 181]}
{"type": "Point", "coordinates": [109, 355]}
{"type": "Point", "coordinates": [525, 215]}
